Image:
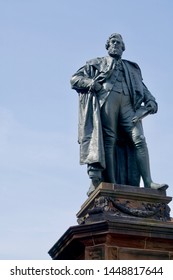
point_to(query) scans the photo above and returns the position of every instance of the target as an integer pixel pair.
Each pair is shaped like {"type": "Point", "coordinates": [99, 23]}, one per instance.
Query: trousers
{"type": "Point", "coordinates": [117, 113]}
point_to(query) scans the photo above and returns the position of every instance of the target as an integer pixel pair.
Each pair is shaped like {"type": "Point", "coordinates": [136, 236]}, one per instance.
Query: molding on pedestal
{"type": "Point", "coordinates": [110, 201]}
{"type": "Point", "coordinates": [78, 240]}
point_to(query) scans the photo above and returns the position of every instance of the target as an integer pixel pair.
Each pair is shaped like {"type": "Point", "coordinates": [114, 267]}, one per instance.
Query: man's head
{"type": "Point", "coordinates": [115, 45]}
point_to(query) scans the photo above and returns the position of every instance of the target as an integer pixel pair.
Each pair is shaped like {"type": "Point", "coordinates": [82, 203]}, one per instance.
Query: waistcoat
{"type": "Point", "coordinates": [118, 80]}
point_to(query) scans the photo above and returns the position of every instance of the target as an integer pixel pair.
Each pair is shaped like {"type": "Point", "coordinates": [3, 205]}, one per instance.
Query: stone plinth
{"type": "Point", "coordinates": [111, 201]}
{"type": "Point", "coordinates": [119, 223]}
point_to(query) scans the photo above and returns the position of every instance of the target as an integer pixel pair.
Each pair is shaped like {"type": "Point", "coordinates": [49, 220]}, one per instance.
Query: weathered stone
{"type": "Point", "coordinates": [108, 232]}
{"type": "Point", "coordinates": [110, 201]}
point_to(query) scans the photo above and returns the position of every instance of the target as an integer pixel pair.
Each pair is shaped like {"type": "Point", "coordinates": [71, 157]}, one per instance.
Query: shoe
{"type": "Point", "coordinates": [91, 189]}
{"type": "Point", "coordinates": [160, 187]}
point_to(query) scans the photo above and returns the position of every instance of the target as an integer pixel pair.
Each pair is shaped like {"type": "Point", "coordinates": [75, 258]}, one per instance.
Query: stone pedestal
{"type": "Point", "coordinates": [119, 223]}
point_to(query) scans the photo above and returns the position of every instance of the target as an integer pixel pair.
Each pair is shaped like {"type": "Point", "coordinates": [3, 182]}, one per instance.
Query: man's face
{"type": "Point", "coordinates": [115, 47]}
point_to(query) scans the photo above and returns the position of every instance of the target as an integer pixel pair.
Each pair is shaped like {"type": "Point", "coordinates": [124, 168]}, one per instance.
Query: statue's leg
{"type": "Point", "coordinates": [95, 174]}
{"type": "Point", "coordinates": [109, 118]}
{"type": "Point", "coordinates": [142, 155]}
{"type": "Point", "coordinates": [143, 158]}
{"type": "Point", "coordinates": [136, 135]}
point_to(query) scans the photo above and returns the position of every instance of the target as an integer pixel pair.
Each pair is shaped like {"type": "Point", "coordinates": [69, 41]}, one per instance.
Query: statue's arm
{"type": "Point", "coordinates": [81, 81]}
{"type": "Point", "coordinates": [149, 100]}
{"type": "Point", "coordinates": [84, 79]}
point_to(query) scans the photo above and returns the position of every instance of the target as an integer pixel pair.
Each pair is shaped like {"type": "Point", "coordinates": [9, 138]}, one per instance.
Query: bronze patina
{"type": "Point", "coordinates": [113, 100]}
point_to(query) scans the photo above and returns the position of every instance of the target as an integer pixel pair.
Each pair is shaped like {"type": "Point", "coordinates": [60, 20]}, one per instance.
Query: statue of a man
{"type": "Point", "coordinates": [112, 97]}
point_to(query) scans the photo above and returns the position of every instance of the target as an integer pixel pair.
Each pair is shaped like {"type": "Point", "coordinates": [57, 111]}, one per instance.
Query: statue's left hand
{"type": "Point", "coordinates": [152, 107]}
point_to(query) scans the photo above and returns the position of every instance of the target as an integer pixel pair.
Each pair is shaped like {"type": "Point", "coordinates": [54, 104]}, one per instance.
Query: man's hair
{"type": "Point", "coordinates": [114, 35]}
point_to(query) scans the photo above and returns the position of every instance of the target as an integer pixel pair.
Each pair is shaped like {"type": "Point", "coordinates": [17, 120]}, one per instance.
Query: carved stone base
{"type": "Point", "coordinates": [119, 223]}
{"type": "Point", "coordinates": [110, 201]}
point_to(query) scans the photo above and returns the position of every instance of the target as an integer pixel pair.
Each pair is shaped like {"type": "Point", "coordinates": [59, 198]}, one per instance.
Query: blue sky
{"type": "Point", "coordinates": [42, 43]}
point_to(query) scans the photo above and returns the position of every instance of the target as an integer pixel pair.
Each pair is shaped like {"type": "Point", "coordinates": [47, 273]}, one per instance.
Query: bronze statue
{"type": "Point", "coordinates": [113, 99]}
